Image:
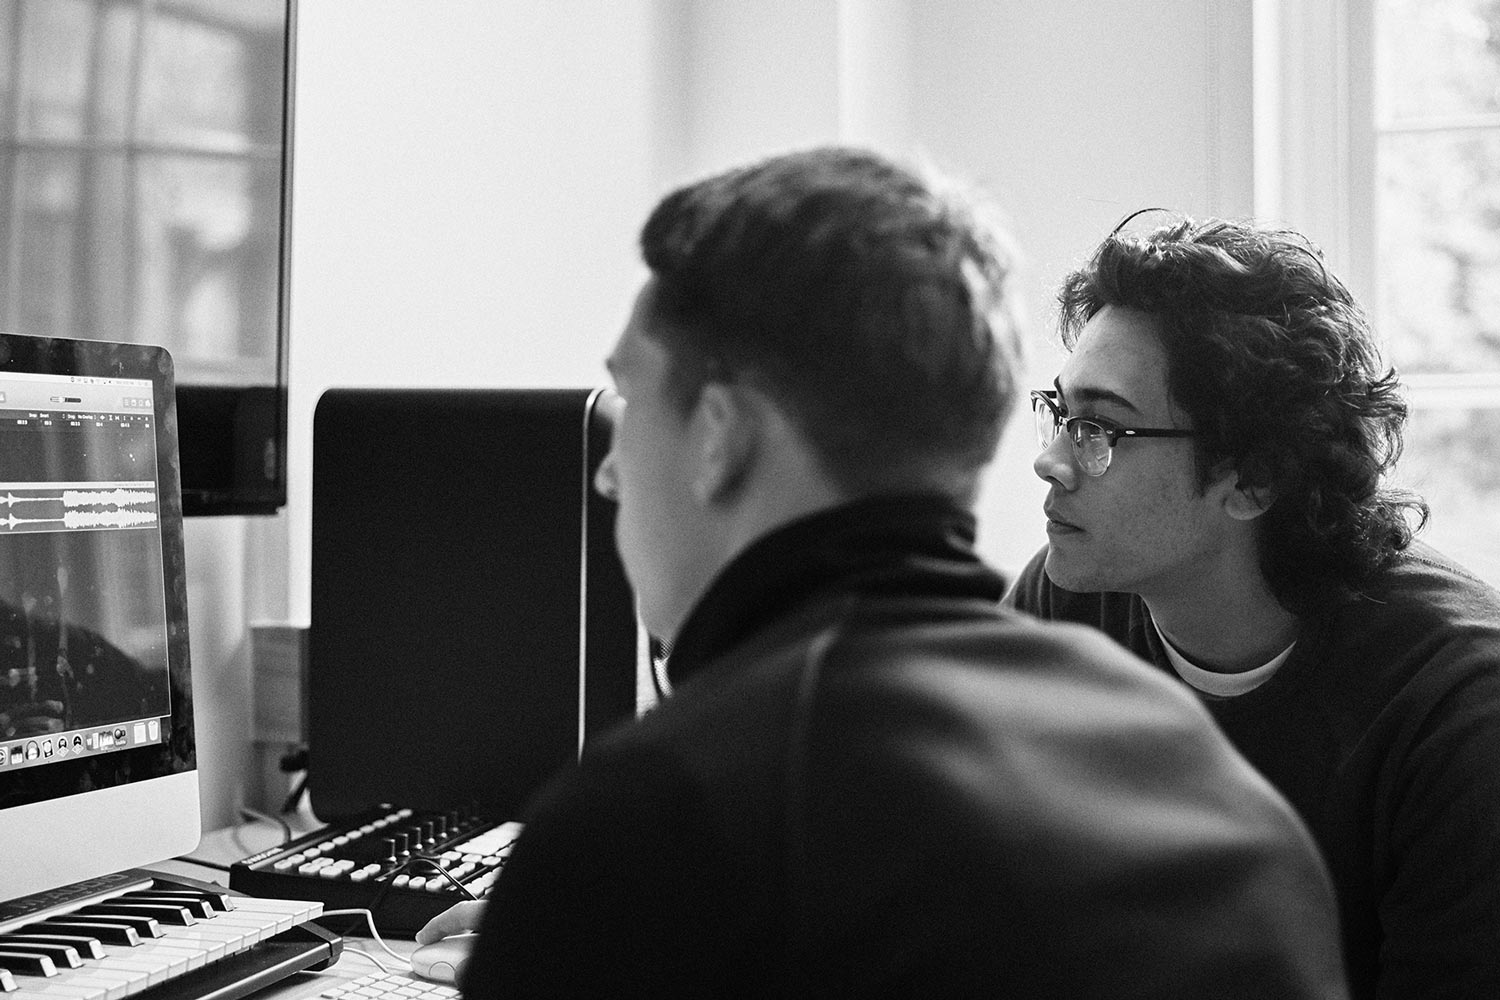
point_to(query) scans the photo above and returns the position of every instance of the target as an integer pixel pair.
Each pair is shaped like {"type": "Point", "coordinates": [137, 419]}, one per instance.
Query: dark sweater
{"type": "Point", "coordinates": [873, 781]}
{"type": "Point", "coordinates": [1383, 729]}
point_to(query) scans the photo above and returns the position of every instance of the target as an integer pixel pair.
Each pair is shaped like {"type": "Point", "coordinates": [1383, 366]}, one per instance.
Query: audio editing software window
{"type": "Point", "coordinates": [83, 622]}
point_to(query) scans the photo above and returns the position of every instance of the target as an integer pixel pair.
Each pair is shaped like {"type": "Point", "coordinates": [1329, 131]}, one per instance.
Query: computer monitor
{"type": "Point", "coordinates": [97, 763]}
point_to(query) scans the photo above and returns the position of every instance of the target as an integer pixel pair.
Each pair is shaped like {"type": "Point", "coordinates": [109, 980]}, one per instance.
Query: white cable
{"type": "Point", "coordinates": [369, 919]}
{"type": "Point", "coordinates": [368, 957]}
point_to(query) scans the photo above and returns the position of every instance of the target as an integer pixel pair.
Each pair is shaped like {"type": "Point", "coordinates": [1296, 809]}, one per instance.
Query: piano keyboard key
{"type": "Point", "coordinates": [85, 946]}
{"type": "Point", "coordinates": [145, 926]}
{"type": "Point", "coordinates": [161, 914]}
{"type": "Point", "coordinates": [119, 947]}
{"type": "Point", "coordinates": [27, 963]}
{"type": "Point", "coordinates": [196, 905]}
{"type": "Point", "coordinates": [105, 933]}
{"type": "Point", "coordinates": [63, 955]}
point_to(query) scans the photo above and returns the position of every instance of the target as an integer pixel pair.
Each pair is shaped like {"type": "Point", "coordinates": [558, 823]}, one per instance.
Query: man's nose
{"type": "Point", "coordinates": [1055, 463]}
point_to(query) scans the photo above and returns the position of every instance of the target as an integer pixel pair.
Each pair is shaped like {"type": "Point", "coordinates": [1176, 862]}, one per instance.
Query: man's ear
{"type": "Point", "coordinates": [1243, 500]}
{"type": "Point", "coordinates": [1247, 501]}
{"type": "Point", "coordinates": [727, 437]}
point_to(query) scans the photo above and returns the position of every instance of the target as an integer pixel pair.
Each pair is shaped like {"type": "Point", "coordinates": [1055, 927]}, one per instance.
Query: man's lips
{"type": "Point", "coordinates": [1058, 523]}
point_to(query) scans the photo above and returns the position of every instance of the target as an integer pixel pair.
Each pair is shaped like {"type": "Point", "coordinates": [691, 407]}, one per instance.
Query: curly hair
{"type": "Point", "coordinates": [1277, 366]}
{"type": "Point", "coordinates": [872, 302]}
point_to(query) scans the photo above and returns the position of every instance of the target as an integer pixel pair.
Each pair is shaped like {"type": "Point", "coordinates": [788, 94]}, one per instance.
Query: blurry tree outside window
{"type": "Point", "coordinates": [1437, 260]}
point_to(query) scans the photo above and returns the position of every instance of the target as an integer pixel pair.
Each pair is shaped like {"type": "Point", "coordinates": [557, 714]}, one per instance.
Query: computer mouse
{"type": "Point", "coordinates": [443, 961]}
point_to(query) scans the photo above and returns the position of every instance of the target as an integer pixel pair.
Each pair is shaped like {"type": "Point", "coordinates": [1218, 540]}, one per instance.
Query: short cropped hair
{"type": "Point", "coordinates": [1277, 367]}
{"type": "Point", "coordinates": [869, 302]}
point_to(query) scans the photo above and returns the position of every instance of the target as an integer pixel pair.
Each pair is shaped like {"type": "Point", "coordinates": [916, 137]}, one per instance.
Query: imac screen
{"type": "Point", "coordinates": [97, 767]}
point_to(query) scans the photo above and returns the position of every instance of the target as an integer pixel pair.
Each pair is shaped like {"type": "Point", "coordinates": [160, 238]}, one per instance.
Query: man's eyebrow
{"type": "Point", "coordinates": [1087, 394]}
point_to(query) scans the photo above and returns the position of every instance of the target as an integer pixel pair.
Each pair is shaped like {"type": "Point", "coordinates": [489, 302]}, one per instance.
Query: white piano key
{"type": "Point", "coordinates": [192, 957]}
{"type": "Point", "coordinates": [111, 984]}
{"type": "Point", "coordinates": [297, 910]}
{"type": "Point", "coordinates": [156, 970]}
{"type": "Point", "coordinates": [274, 919]}
{"type": "Point", "coordinates": [252, 929]}
{"type": "Point", "coordinates": [112, 976]}
{"type": "Point", "coordinates": [164, 962]}
{"type": "Point", "coordinates": [215, 942]}
{"type": "Point", "coordinates": [110, 988]}
{"type": "Point", "coordinates": [46, 988]}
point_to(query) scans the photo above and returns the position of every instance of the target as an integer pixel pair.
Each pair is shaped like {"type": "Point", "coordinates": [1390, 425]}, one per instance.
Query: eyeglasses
{"type": "Point", "coordinates": [1094, 438]}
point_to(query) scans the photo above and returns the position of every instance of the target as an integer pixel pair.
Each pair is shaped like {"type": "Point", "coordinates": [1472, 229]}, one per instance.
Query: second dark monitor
{"type": "Point", "coordinates": [471, 623]}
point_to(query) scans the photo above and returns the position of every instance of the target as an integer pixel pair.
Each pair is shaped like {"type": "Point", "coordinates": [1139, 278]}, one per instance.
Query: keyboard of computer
{"type": "Point", "coordinates": [154, 937]}
{"type": "Point", "coordinates": [393, 985]}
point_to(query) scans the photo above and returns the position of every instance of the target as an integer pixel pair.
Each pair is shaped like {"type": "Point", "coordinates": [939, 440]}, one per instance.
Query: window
{"type": "Point", "coordinates": [1437, 255]}
{"type": "Point", "coordinates": [1378, 134]}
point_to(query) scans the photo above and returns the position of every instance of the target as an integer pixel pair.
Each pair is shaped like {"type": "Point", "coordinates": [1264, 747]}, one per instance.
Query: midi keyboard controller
{"type": "Point", "coordinates": [405, 865]}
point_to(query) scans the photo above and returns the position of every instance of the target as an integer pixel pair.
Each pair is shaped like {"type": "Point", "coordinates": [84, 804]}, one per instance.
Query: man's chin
{"type": "Point", "coordinates": [1067, 571]}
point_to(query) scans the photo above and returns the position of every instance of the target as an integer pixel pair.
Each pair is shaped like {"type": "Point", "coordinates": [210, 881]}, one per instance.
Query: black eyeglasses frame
{"type": "Point", "coordinates": [1112, 431]}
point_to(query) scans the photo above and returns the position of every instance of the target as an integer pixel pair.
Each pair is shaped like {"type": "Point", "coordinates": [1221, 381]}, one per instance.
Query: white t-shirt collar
{"type": "Point", "coordinates": [1220, 685]}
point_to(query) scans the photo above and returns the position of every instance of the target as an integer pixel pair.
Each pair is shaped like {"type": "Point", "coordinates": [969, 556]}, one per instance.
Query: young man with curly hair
{"type": "Point", "coordinates": [1215, 448]}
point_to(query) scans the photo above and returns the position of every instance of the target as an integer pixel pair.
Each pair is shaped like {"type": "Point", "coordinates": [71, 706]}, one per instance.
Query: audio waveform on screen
{"type": "Point", "coordinates": [105, 506]}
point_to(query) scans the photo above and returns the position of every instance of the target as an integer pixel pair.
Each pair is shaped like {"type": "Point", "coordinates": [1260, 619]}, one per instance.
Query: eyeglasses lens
{"type": "Point", "coordinates": [1091, 446]}
{"type": "Point", "coordinates": [1046, 421]}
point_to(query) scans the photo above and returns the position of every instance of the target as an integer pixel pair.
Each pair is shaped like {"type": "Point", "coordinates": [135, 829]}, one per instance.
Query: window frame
{"type": "Point", "coordinates": [1316, 139]}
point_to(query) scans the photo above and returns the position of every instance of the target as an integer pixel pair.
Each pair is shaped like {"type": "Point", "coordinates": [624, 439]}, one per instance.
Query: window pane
{"type": "Point", "coordinates": [208, 80]}
{"type": "Point", "coordinates": [208, 246]}
{"type": "Point", "coordinates": [1437, 273]}
{"type": "Point", "coordinates": [1436, 58]}
{"type": "Point", "coordinates": [1450, 459]}
{"type": "Point", "coordinates": [74, 77]}
{"type": "Point", "coordinates": [1438, 257]}
{"type": "Point", "coordinates": [68, 276]}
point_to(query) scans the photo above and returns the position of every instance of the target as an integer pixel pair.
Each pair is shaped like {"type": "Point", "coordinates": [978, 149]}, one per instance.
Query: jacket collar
{"type": "Point", "coordinates": [912, 545]}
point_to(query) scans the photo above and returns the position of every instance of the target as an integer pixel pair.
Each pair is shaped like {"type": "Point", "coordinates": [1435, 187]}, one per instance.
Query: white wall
{"type": "Point", "coordinates": [470, 176]}
{"type": "Point", "coordinates": [1074, 113]}
{"type": "Point", "coordinates": [1070, 113]}
{"type": "Point", "coordinates": [468, 179]}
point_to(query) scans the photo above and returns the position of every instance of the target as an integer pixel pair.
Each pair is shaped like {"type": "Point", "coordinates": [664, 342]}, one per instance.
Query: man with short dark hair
{"type": "Point", "coordinates": [1215, 447]}
{"type": "Point", "coordinates": [869, 779]}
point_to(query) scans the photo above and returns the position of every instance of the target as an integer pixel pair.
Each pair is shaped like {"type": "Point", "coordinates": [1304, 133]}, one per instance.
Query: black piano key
{"type": "Point", "coordinates": [26, 963]}
{"type": "Point", "coordinates": [198, 905]}
{"type": "Point", "coordinates": [83, 944]}
{"type": "Point", "coordinates": [166, 913]}
{"type": "Point", "coordinates": [63, 955]}
{"type": "Point", "coordinates": [109, 933]}
{"type": "Point", "coordinates": [216, 895]}
{"type": "Point", "coordinates": [146, 927]}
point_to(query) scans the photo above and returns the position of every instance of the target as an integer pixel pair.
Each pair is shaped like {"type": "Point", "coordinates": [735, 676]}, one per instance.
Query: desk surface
{"type": "Point", "coordinates": [233, 843]}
